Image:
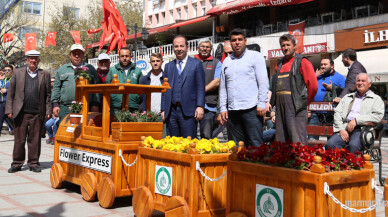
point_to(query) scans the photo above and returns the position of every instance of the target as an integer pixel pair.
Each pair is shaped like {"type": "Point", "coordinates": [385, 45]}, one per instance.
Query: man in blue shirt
{"type": "Point", "coordinates": [328, 80]}
{"type": "Point", "coordinates": [212, 68]}
{"type": "Point", "coordinates": [243, 91]}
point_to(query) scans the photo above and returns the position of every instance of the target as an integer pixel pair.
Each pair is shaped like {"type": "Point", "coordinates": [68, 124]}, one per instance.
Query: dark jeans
{"type": "Point", "coordinates": [206, 125]}
{"type": "Point", "coordinates": [269, 135]}
{"type": "Point", "coordinates": [314, 121]}
{"type": "Point", "coordinates": [2, 115]}
{"type": "Point", "coordinates": [354, 143]}
{"type": "Point", "coordinates": [180, 125]}
{"type": "Point", "coordinates": [247, 126]}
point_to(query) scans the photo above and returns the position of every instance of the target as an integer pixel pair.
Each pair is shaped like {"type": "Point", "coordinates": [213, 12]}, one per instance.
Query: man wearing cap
{"type": "Point", "coordinates": [125, 70]}
{"type": "Point", "coordinates": [28, 103]}
{"type": "Point", "coordinates": [64, 86]}
{"type": "Point", "coordinates": [103, 67]}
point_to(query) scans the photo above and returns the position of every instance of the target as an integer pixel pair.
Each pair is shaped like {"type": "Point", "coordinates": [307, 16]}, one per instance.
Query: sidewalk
{"type": "Point", "coordinates": [26, 193]}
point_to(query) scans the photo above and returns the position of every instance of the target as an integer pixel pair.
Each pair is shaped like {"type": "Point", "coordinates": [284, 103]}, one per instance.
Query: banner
{"type": "Point", "coordinates": [8, 37]}
{"type": "Point", "coordinates": [30, 42]}
{"type": "Point", "coordinates": [307, 49]}
{"type": "Point", "coordinates": [237, 6]}
{"type": "Point", "coordinates": [93, 31]}
{"type": "Point", "coordinates": [76, 36]}
{"type": "Point", "coordinates": [297, 30]}
{"type": "Point", "coordinates": [50, 39]}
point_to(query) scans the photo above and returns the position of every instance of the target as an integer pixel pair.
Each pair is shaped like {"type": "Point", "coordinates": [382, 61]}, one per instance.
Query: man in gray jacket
{"type": "Point", "coordinates": [354, 110]}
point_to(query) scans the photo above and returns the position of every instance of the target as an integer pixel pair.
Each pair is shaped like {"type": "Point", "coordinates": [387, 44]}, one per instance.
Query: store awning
{"type": "Point", "coordinates": [188, 22]}
{"type": "Point", "coordinates": [131, 36]}
{"type": "Point", "coordinates": [372, 60]}
{"type": "Point", "coordinates": [237, 6]}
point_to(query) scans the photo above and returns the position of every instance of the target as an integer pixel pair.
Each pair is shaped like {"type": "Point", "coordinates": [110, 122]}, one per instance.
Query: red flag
{"type": "Point", "coordinates": [30, 42]}
{"type": "Point", "coordinates": [50, 39]}
{"type": "Point", "coordinates": [297, 30]}
{"type": "Point", "coordinates": [161, 50]}
{"type": "Point", "coordinates": [93, 31]}
{"type": "Point", "coordinates": [8, 37]}
{"type": "Point", "coordinates": [76, 36]}
{"type": "Point", "coordinates": [112, 26]}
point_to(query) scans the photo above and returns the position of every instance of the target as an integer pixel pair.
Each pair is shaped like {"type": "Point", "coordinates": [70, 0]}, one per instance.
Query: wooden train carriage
{"type": "Point", "coordinates": [302, 192]}
{"type": "Point", "coordinates": [190, 194]}
{"type": "Point", "coordinates": [88, 154]}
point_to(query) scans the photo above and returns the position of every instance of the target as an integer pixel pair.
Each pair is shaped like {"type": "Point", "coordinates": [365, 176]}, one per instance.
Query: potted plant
{"type": "Point", "coordinates": [75, 112]}
{"type": "Point", "coordinates": [82, 71]}
{"type": "Point", "coordinates": [132, 126]}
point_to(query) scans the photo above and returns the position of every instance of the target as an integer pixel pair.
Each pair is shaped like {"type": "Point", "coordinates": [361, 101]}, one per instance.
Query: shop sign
{"type": "Point", "coordinates": [86, 159]}
{"type": "Point", "coordinates": [163, 180]}
{"type": "Point", "coordinates": [269, 201]}
{"type": "Point", "coordinates": [308, 49]}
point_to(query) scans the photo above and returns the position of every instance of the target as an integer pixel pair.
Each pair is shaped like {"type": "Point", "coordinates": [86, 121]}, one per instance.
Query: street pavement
{"type": "Point", "coordinates": [26, 193]}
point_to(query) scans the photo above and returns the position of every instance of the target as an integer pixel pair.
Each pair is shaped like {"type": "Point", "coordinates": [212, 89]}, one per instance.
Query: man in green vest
{"type": "Point", "coordinates": [125, 70]}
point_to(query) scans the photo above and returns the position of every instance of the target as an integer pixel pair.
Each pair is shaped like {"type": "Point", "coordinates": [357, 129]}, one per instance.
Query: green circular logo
{"type": "Point", "coordinates": [268, 203]}
{"type": "Point", "coordinates": [163, 180]}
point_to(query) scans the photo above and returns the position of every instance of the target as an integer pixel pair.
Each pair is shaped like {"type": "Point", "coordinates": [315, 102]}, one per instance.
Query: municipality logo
{"type": "Point", "coordinates": [163, 180]}
{"type": "Point", "coordinates": [268, 203]}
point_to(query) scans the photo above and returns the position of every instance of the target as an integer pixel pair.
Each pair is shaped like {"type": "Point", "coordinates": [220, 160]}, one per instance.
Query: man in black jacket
{"type": "Point", "coordinates": [349, 59]}
{"type": "Point", "coordinates": [154, 77]}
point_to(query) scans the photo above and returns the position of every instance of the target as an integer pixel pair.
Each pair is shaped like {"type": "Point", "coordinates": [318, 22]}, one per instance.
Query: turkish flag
{"type": "Point", "coordinates": [297, 30]}
{"type": "Point", "coordinates": [50, 39]}
{"type": "Point", "coordinates": [161, 50]}
{"type": "Point", "coordinates": [113, 27]}
{"type": "Point", "coordinates": [30, 42]}
{"type": "Point", "coordinates": [93, 31]}
{"type": "Point", "coordinates": [8, 37]}
{"type": "Point", "coordinates": [76, 36]}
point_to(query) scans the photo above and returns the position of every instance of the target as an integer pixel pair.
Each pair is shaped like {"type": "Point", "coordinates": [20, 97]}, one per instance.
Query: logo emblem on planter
{"type": "Point", "coordinates": [163, 180]}
{"type": "Point", "coordinates": [269, 201]}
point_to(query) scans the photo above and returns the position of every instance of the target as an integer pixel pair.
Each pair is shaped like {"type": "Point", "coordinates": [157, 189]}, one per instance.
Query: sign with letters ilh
{"type": "Point", "coordinates": [163, 180]}
{"type": "Point", "coordinates": [86, 159]}
{"type": "Point", "coordinates": [269, 201]}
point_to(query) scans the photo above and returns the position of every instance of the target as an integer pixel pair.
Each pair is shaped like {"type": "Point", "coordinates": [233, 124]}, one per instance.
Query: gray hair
{"type": "Point", "coordinates": [364, 73]}
{"type": "Point", "coordinates": [205, 40]}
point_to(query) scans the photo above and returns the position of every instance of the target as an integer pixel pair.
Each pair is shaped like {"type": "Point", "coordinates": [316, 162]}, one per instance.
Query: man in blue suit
{"type": "Point", "coordinates": [182, 105]}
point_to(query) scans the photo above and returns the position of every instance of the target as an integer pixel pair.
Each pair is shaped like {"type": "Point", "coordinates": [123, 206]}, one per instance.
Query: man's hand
{"type": "Point", "coordinates": [319, 72]}
{"type": "Point", "coordinates": [9, 115]}
{"type": "Point", "coordinates": [268, 107]}
{"type": "Point", "coordinates": [3, 90]}
{"type": "Point", "coordinates": [328, 87]}
{"type": "Point", "coordinates": [260, 111]}
{"type": "Point", "coordinates": [56, 111]}
{"type": "Point", "coordinates": [198, 113]}
{"type": "Point", "coordinates": [219, 120]}
{"type": "Point", "coordinates": [162, 115]}
{"type": "Point", "coordinates": [273, 117]}
{"type": "Point", "coordinates": [224, 116]}
{"type": "Point", "coordinates": [336, 100]}
{"type": "Point", "coordinates": [351, 125]}
{"type": "Point", "coordinates": [344, 135]}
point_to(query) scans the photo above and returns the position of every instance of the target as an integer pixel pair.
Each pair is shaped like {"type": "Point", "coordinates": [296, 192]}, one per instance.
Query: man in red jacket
{"type": "Point", "coordinates": [294, 87]}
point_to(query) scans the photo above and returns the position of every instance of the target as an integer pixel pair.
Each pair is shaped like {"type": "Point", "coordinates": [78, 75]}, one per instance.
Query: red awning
{"type": "Point", "coordinates": [187, 22]}
{"type": "Point", "coordinates": [131, 36]}
{"type": "Point", "coordinates": [237, 6]}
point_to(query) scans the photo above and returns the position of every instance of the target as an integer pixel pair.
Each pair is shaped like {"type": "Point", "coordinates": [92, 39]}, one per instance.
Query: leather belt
{"type": "Point", "coordinates": [283, 92]}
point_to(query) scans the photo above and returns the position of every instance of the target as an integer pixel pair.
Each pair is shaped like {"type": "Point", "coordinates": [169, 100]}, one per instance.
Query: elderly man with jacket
{"type": "Point", "coordinates": [354, 110]}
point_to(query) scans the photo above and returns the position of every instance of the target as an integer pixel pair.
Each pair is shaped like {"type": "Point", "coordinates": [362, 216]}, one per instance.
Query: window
{"type": "Point", "coordinates": [163, 18]}
{"type": "Point", "coordinates": [178, 17]}
{"type": "Point", "coordinates": [186, 15]}
{"type": "Point", "coordinates": [70, 11]}
{"type": "Point", "coordinates": [195, 10]}
{"type": "Point", "coordinates": [24, 30]}
{"type": "Point", "coordinates": [171, 16]}
{"type": "Point", "coordinates": [32, 7]}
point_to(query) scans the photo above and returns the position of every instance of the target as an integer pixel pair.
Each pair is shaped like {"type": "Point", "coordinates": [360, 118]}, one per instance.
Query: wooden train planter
{"type": "Point", "coordinates": [98, 154]}
{"type": "Point", "coordinates": [170, 182]}
{"type": "Point", "coordinates": [257, 188]}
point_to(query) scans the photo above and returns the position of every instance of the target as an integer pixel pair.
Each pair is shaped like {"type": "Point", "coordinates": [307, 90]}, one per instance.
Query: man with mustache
{"type": "Point", "coordinates": [183, 105]}
{"type": "Point", "coordinates": [243, 91]}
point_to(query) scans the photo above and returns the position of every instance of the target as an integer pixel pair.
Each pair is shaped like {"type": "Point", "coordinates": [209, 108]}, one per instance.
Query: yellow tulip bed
{"type": "Point", "coordinates": [180, 144]}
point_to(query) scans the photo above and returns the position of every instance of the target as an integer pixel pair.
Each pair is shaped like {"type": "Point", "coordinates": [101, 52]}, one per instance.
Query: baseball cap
{"type": "Point", "coordinates": [32, 53]}
{"type": "Point", "coordinates": [77, 47]}
{"type": "Point", "coordinates": [103, 56]}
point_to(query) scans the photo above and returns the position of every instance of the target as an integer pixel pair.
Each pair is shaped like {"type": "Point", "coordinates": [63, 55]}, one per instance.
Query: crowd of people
{"type": "Point", "coordinates": [207, 96]}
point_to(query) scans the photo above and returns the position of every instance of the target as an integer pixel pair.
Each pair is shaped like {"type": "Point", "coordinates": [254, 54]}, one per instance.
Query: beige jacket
{"type": "Point", "coordinates": [372, 110]}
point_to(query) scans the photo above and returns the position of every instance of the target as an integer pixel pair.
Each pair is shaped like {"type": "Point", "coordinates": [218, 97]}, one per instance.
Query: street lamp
{"type": "Point", "coordinates": [144, 37]}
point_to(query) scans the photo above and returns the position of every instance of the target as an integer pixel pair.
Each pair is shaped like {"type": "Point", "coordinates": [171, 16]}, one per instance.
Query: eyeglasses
{"type": "Point", "coordinates": [7, 70]}
{"type": "Point", "coordinates": [229, 53]}
{"type": "Point", "coordinates": [207, 47]}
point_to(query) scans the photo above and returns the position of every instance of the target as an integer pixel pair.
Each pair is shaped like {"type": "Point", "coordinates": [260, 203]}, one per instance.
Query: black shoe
{"type": "Point", "coordinates": [14, 169]}
{"type": "Point", "coordinates": [35, 169]}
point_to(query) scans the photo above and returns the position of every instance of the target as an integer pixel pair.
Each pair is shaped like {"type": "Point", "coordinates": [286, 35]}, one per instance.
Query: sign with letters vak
{"type": "Point", "coordinates": [86, 159]}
